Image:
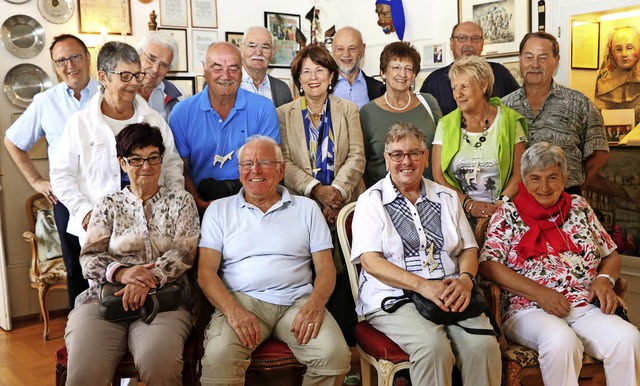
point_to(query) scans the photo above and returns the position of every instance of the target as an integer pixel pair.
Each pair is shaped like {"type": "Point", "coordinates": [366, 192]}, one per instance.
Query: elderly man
{"type": "Point", "coordinates": [158, 54]}
{"type": "Point", "coordinates": [557, 114]}
{"type": "Point", "coordinates": [210, 127]}
{"type": "Point", "coordinates": [353, 84]}
{"type": "Point", "coordinates": [257, 51]}
{"type": "Point", "coordinates": [265, 288]}
{"type": "Point", "coordinates": [47, 115]}
{"type": "Point", "coordinates": [466, 39]}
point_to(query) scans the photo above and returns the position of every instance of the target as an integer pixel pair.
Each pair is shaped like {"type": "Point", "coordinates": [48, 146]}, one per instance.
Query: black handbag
{"type": "Point", "coordinates": [165, 298]}
{"type": "Point", "coordinates": [429, 310]}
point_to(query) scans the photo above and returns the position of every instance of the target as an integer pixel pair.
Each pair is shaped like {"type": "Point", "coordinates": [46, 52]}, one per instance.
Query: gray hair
{"type": "Point", "coordinates": [477, 68]}
{"type": "Point", "coordinates": [543, 155]}
{"type": "Point", "coordinates": [401, 130]}
{"type": "Point", "coordinates": [114, 53]}
{"type": "Point", "coordinates": [257, 27]}
{"type": "Point", "coordinates": [162, 38]}
{"type": "Point", "coordinates": [262, 138]}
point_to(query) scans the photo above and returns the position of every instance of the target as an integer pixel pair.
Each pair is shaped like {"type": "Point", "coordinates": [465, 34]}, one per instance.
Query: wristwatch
{"type": "Point", "coordinates": [609, 277]}
{"type": "Point", "coordinates": [473, 279]}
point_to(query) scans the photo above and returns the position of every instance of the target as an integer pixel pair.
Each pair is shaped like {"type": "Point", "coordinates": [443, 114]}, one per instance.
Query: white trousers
{"type": "Point", "coordinates": [560, 343]}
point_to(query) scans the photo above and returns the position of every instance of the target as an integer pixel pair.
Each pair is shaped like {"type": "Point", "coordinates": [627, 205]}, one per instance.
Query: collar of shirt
{"type": "Point", "coordinates": [83, 93]}
{"type": "Point", "coordinates": [285, 198]}
{"type": "Point", "coordinates": [359, 79]}
{"type": "Point", "coordinates": [390, 193]}
{"type": "Point", "coordinates": [247, 81]}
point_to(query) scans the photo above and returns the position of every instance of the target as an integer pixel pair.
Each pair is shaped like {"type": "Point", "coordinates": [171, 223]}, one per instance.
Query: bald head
{"type": "Point", "coordinates": [348, 50]}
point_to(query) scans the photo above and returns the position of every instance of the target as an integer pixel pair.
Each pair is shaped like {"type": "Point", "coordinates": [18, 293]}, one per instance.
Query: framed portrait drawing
{"type": "Point", "coordinates": [283, 28]}
{"type": "Point", "coordinates": [234, 38]}
{"type": "Point", "coordinates": [185, 83]}
{"type": "Point", "coordinates": [97, 16]}
{"type": "Point", "coordinates": [173, 13]}
{"type": "Point", "coordinates": [504, 23]}
{"type": "Point", "coordinates": [433, 54]}
{"type": "Point", "coordinates": [204, 14]}
{"type": "Point", "coordinates": [180, 36]}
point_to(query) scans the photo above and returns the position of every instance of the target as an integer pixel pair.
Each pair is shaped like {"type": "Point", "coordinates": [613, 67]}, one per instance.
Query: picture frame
{"type": "Point", "coordinates": [585, 45]}
{"type": "Point", "coordinates": [200, 41]}
{"type": "Point", "coordinates": [204, 14]}
{"type": "Point", "coordinates": [234, 38]}
{"type": "Point", "coordinates": [110, 17]}
{"type": "Point", "coordinates": [618, 125]}
{"type": "Point", "coordinates": [180, 36]}
{"type": "Point", "coordinates": [433, 54]}
{"type": "Point", "coordinates": [173, 13]}
{"type": "Point", "coordinates": [514, 69]}
{"type": "Point", "coordinates": [200, 83]}
{"type": "Point", "coordinates": [504, 23]}
{"type": "Point", "coordinates": [283, 28]}
{"type": "Point", "coordinates": [185, 83]}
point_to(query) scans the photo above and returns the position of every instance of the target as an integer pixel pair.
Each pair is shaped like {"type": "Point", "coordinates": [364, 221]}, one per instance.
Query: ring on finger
{"type": "Point", "coordinates": [484, 211]}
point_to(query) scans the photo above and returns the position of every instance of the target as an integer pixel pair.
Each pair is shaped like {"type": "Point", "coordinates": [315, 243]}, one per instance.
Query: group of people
{"type": "Point", "coordinates": [254, 180]}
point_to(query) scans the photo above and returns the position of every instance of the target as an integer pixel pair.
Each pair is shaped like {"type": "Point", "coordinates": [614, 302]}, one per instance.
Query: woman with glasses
{"type": "Point", "coordinates": [410, 233]}
{"type": "Point", "coordinates": [143, 237]}
{"type": "Point", "coordinates": [399, 64]}
{"type": "Point", "coordinates": [87, 168]}
{"type": "Point", "coordinates": [478, 146]}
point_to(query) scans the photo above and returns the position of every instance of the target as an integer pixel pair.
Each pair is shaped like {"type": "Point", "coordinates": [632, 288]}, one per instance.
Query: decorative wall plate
{"type": "Point", "coordinates": [22, 36]}
{"type": "Point", "coordinates": [56, 11]}
{"type": "Point", "coordinates": [17, 1]}
{"type": "Point", "coordinates": [24, 81]}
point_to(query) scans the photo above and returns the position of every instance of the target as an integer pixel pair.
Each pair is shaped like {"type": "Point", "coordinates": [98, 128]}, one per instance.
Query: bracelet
{"type": "Point", "coordinates": [470, 207]}
{"type": "Point", "coordinates": [609, 277]}
{"type": "Point", "coordinates": [473, 279]}
{"type": "Point", "coordinates": [503, 198]}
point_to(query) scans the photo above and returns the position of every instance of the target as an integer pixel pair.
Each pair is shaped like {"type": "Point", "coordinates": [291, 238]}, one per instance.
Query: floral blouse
{"type": "Point", "coordinates": [569, 273]}
{"type": "Point", "coordinates": [124, 231]}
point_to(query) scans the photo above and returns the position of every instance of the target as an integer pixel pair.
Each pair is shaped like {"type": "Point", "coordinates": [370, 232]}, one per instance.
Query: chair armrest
{"type": "Point", "coordinates": [35, 270]}
{"type": "Point", "coordinates": [621, 287]}
{"type": "Point", "coordinates": [492, 296]}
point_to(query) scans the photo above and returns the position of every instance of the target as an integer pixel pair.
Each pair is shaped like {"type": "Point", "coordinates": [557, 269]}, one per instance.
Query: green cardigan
{"type": "Point", "coordinates": [506, 141]}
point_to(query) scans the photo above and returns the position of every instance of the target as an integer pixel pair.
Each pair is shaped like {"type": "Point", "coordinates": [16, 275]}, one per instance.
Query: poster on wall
{"type": "Point", "coordinates": [200, 41]}
{"type": "Point", "coordinates": [98, 16]}
{"type": "Point", "coordinates": [204, 14]}
{"type": "Point", "coordinates": [180, 35]}
{"type": "Point", "coordinates": [173, 13]}
{"type": "Point", "coordinates": [283, 28]}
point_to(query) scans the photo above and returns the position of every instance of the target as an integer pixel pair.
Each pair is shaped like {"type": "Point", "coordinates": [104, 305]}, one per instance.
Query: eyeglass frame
{"type": "Point", "coordinates": [133, 75]}
{"type": "Point", "coordinates": [318, 71]}
{"type": "Point", "coordinates": [148, 160]}
{"type": "Point", "coordinates": [63, 61]}
{"type": "Point", "coordinates": [466, 38]}
{"type": "Point", "coordinates": [394, 154]}
{"type": "Point", "coordinates": [397, 69]}
{"type": "Point", "coordinates": [263, 47]}
{"type": "Point", "coordinates": [155, 60]}
{"type": "Point", "coordinates": [265, 163]}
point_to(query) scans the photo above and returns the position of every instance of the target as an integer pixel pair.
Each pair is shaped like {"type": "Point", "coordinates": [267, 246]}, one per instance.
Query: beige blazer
{"type": "Point", "coordinates": [348, 150]}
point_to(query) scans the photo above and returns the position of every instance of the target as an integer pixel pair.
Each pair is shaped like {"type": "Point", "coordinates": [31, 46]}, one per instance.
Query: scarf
{"type": "Point", "coordinates": [541, 229]}
{"type": "Point", "coordinates": [320, 142]}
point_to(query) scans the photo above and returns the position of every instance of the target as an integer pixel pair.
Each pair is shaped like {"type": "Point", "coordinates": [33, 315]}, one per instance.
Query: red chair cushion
{"type": "Point", "coordinates": [378, 345]}
{"type": "Point", "coordinates": [272, 350]}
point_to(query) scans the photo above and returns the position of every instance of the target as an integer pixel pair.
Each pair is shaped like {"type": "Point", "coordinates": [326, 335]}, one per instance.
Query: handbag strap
{"type": "Point", "coordinates": [426, 106]}
{"type": "Point", "coordinates": [401, 301]}
{"type": "Point", "coordinates": [148, 317]}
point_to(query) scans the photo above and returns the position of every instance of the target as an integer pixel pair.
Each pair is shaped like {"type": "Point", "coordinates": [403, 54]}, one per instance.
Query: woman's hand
{"type": "Point", "coordinates": [133, 296]}
{"type": "Point", "coordinates": [306, 324]}
{"type": "Point", "coordinates": [328, 196]}
{"type": "Point", "coordinates": [609, 301]}
{"type": "Point", "coordinates": [432, 290]}
{"type": "Point", "coordinates": [457, 294]}
{"type": "Point", "coordinates": [552, 301]}
{"type": "Point", "coordinates": [140, 275]}
{"type": "Point", "coordinates": [482, 209]}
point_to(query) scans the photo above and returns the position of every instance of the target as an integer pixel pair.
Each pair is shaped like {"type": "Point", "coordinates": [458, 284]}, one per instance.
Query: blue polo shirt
{"type": "Point", "coordinates": [200, 133]}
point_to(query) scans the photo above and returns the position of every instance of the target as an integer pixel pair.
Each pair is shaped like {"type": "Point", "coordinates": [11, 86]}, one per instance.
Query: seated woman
{"type": "Point", "coordinates": [478, 146]}
{"type": "Point", "coordinates": [552, 258]}
{"type": "Point", "coordinates": [142, 236]}
{"type": "Point", "coordinates": [411, 233]}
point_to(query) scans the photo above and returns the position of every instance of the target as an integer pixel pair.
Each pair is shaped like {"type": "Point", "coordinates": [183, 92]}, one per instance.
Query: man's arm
{"type": "Point", "coordinates": [29, 171]}
{"type": "Point", "coordinates": [592, 166]}
{"type": "Point", "coordinates": [244, 323]}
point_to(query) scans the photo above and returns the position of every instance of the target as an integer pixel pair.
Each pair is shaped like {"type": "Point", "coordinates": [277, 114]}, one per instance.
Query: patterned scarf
{"type": "Point", "coordinates": [320, 142]}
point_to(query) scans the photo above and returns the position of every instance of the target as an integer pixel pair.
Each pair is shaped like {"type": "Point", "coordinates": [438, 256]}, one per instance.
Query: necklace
{"type": "Point", "coordinates": [396, 108]}
{"type": "Point", "coordinates": [483, 137]}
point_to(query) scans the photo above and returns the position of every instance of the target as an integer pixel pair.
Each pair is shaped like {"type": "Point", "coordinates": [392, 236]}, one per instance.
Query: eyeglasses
{"type": "Point", "coordinates": [398, 156]}
{"type": "Point", "coordinates": [264, 47]}
{"type": "Point", "coordinates": [154, 60]}
{"type": "Point", "coordinates": [318, 72]}
{"type": "Point", "coordinates": [139, 161]}
{"type": "Point", "coordinates": [262, 164]}
{"type": "Point", "coordinates": [398, 69]}
{"type": "Point", "coordinates": [126, 76]}
{"type": "Point", "coordinates": [465, 38]}
{"type": "Point", "coordinates": [62, 62]}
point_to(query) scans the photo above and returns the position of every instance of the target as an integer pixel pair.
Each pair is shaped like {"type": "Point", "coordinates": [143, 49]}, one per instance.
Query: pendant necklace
{"type": "Point", "coordinates": [217, 158]}
{"type": "Point", "coordinates": [396, 108]}
{"type": "Point", "coordinates": [483, 136]}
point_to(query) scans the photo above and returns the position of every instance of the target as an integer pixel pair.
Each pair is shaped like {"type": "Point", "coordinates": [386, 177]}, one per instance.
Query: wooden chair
{"type": "Point", "coordinates": [375, 348]}
{"type": "Point", "coordinates": [45, 275]}
{"type": "Point", "coordinates": [520, 365]}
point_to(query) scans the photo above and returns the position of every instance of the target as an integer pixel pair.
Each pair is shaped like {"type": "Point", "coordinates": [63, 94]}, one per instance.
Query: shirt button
{"type": "Point", "coordinates": [219, 120]}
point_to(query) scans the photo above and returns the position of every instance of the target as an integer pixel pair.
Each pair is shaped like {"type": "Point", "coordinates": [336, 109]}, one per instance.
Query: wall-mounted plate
{"type": "Point", "coordinates": [23, 82]}
{"type": "Point", "coordinates": [56, 11]}
{"type": "Point", "coordinates": [17, 1]}
{"type": "Point", "coordinates": [22, 36]}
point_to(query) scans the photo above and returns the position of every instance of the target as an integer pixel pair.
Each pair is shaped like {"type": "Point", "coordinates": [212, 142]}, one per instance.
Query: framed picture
{"type": "Point", "coordinates": [98, 16]}
{"type": "Point", "coordinates": [185, 83]}
{"type": "Point", "coordinates": [514, 69]}
{"type": "Point", "coordinates": [618, 125]}
{"type": "Point", "coordinates": [283, 28]}
{"type": "Point", "coordinates": [180, 35]}
{"type": "Point", "coordinates": [173, 13]}
{"type": "Point", "coordinates": [585, 47]}
{"type": "Point", "coordinates": [504, 23]}
{"type": "Point", "coordinates": [200, 41]}
{"type": "Point", "coordinates": [234, 38]}
{"type": "Point", "coordinates": [200, 83]}
{"type": "Point", "coordinates": [204, 14]}
{"type": "Point", "coordinates": [433, 55]}
{"type": "Point", "coordinates": [93, 69]}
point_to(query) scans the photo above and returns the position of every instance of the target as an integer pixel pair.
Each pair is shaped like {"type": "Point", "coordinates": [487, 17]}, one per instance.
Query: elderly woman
{"type": "Point", "coordinates": [321, 136]}
{"type": "Point", "coordinates": [143, 236]}
{"type": "Point", "coordinates": [87, 168]}
{"type": "Point", "coordinates": [618, 81]}
{"type": "Point", "coordinates": [477, 147]}
{"type": "Point", "coordinates": [552, 258]}
{"type": "Point", "coordinates": [158, 54]}
{"type": "Point", "coordinates": [399, 65]}
{"type": "Point", "coordinates": [410, 233]}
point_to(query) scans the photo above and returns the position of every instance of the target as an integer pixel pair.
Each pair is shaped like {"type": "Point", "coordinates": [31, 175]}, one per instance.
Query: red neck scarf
{"type": "Point", "coordinates": [541, 229]}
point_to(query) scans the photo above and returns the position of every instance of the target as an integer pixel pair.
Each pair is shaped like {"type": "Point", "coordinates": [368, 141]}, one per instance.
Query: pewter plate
{"type": "Point", "coordinates": [17, 1]}
{"type": "Point", "coordinates": [56, 11]}
{"type": "Point", "coordinates": [22, 36]}
{"type": "Point", "coordinates": [24, 81]}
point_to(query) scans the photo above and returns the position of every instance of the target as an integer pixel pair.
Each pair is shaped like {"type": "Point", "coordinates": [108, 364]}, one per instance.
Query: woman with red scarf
{"type": "Point", "coordinates": [552, 258]}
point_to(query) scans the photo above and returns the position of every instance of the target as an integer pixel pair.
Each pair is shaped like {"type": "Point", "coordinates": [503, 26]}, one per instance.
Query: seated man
{"type": "Point", "coordinates": [256, 251]}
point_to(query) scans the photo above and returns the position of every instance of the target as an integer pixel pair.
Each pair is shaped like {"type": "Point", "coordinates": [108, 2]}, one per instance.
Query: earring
{"type": "Point", "coordinates": [384, 81]}
{"type": "Point", "coordinates": [301, 91]}
{"type": "Point", "coordinates": [330, 87]}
